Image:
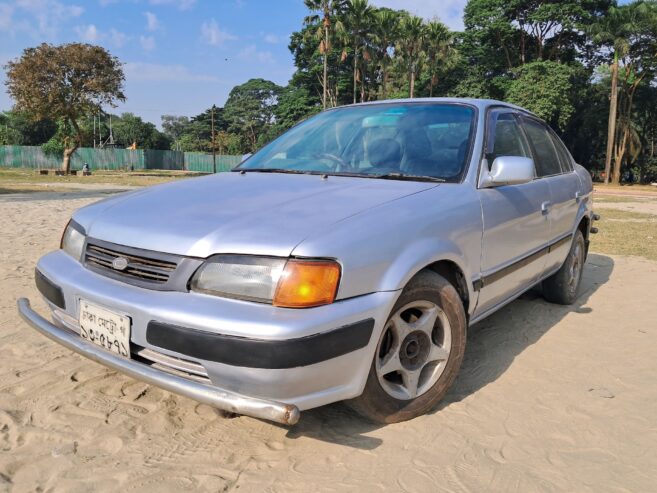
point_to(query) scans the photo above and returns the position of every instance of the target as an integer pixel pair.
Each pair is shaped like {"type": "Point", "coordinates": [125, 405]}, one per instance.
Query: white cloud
{"type": "Point", "coordinates": [88, 33]}
{"type": "Point", "coordinates": [91, 34]}
{"type": "Point", "coordinates": [147, 43]}
{"type": "Point", "coordinates": [213, 35]}
{"type": "Point", "coordinates": [450, 12]}
{"type": "Point", "coordinates": [117, 38]}
{"type": "Point", "coordinates": [152, 23]}
{"type": "Point", "coordinates": [154, 72]}
{"type": "Point", "coordinates": [6, 12]}
{"type": "Point", "coordinates": [273, 39]}
{"type": "Point", "coordinates": [44, 17]}
{"type": "Point", "coordinates": [181, 4]}
{"type": "Point", "coordinates": [252, 54]}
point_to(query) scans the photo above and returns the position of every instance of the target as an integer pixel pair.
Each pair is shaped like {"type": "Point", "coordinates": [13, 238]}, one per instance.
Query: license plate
{"type": "Point", "coordinates": [106, 329]}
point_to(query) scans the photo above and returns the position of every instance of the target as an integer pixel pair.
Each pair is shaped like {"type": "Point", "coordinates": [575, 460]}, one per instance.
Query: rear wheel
{"type": "Point", "coordinates": [562, 286]}
{"type": "Point", "coordinates": [419, 352]}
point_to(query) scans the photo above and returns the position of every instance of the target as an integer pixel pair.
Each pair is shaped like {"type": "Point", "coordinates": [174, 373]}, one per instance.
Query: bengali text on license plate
{"type": "Point", "coordinates": [105, 328]}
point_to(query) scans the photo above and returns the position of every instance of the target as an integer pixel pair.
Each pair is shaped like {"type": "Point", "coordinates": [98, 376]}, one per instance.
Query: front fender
{"type": "Point", "coordinates": [382, 249]}
{"type": "Point", "coordinates": [421, 254]}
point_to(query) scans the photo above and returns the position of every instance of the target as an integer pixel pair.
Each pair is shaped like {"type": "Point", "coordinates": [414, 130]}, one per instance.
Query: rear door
{"type": "Point", "coordinates": [516, 230]}
{"type": "Point", "coordinates": [555, 167]}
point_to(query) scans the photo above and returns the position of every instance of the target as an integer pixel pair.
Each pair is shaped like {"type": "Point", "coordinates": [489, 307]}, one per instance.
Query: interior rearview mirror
{"type": "Point", "coordinates": [509, 170]}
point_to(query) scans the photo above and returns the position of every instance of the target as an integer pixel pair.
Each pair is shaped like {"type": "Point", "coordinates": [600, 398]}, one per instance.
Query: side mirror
{"type": "Point", "coordinates": [509, 170]}
{"type": "Point", "coordinates": [246, 156]}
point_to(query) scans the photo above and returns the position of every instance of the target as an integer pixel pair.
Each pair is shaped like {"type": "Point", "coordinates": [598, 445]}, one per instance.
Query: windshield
{"type": "Point", "coordinates": [381, 140]}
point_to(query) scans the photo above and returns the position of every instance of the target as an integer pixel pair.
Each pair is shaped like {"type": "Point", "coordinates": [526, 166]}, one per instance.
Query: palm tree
{"type": "Point", "coordinates": [386, 31]}
{"type": "Point", "coordinates": [358, 22]}
{"type": "Point", "coordinates": [439, 49]}
{"type": "Point", "coordinates": [328, 10]}
{"type": "Point", "coordinates": [409, 46]}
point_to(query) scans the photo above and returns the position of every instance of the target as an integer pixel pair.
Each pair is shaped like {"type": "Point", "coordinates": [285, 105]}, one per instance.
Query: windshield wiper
{"type": "Point", "coordinates": [403, 176]}
{"type": "Point", "coordinates": [274, 170]}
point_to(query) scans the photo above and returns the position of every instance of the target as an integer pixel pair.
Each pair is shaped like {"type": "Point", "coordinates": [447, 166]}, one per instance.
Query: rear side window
{"type": "Point", "coordinates": [507, 138]}
{"type": "Point", "coordinates": [546, 159]}
{"type": "Point", "coordinates": [564, 155]}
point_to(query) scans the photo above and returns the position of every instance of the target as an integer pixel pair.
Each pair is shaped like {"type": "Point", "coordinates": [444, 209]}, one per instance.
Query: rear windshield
{"type": "Point", "coordinates": [413, 140]}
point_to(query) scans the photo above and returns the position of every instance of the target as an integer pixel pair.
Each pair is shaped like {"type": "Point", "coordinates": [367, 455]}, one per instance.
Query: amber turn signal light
{"type": "Point", "coordinates": [307, 283]}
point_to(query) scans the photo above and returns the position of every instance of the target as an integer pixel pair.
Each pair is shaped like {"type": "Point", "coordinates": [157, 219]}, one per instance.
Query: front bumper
{"type": "Point", "coordinates": [229, 401]}
{"type": "Point", "coordinates": [264, 352]}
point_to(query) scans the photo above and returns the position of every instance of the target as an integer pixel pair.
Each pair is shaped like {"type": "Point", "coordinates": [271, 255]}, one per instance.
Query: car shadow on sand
{"type": "Point", "coordinates": [493, 345]}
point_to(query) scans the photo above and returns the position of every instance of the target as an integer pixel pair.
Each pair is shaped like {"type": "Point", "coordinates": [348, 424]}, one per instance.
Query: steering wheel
{"type": "Point", "coordinates": [340, 164]}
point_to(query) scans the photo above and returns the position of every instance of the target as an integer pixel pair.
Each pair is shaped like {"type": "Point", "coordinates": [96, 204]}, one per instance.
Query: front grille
{"type": "Point", "coordinates": [138, 267]}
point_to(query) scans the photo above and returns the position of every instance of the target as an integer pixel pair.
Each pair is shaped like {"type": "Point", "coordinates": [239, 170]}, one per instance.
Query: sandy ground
{"type": "Point", "coordinates": [550, 398]}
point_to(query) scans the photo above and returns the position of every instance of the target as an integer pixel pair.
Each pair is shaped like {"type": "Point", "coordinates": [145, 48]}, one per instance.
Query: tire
{"type": "Point", "coordinates": [429, 352]}
{"type": "Point", "coordinates": [562, 286]}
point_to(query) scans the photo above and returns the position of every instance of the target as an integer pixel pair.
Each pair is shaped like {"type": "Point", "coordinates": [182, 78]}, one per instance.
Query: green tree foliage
{"type": "Point", "coordinates": [65, 82]}
{"type": "Point", "coordinates": [19, 129]}
{"type": "Point", "coordinates": [174, 127]}
{"type": "Point", "coordinates": [545, 88]}
{"type": "Point", "coordinates": [249, 110]}
{"type": "Point", "coordinates": [129, 129]}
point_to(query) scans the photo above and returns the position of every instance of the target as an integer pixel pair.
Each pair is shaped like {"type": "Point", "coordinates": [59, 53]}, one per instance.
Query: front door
{"type": "Point", "coordinates": [516, 226]}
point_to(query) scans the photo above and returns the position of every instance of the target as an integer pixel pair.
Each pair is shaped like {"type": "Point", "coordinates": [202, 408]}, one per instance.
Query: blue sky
{"type": "Point", "coordinates": [181, 56]}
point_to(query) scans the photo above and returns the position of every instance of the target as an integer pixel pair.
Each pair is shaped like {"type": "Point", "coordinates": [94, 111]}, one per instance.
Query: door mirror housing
{"type": "Point", "coordinates": [509, 170]}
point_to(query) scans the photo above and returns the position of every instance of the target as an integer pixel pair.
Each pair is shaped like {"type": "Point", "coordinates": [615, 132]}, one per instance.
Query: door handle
{"type": "Point", "coordinates": [578, 196]}
{"type": "Point", "coordinates": [545, 207]}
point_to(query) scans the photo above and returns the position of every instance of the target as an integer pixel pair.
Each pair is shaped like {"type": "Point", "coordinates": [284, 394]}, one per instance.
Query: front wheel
{"type": "Point", "coordinates": [419, 352]}
{"type": "Point", "coordinates": [562, 286]}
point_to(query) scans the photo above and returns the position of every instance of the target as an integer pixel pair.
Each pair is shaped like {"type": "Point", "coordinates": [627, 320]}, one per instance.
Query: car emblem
{"type": "Point", "coordinates": [120, 263]}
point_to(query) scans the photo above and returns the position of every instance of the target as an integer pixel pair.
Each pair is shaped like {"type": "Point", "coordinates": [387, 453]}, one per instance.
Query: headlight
{"type": "Point", "coordinates": [73, 240]}
{"type": "Point", "coordinates": [287, 283]}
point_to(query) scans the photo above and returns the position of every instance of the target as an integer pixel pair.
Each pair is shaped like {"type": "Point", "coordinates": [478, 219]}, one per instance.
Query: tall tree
{"type": "Point", "coordinates": [409, 47]}
{"type": "Point", "coordinates": [439, 50]}
{"type": "Point", "coordinates": [249, 110]}
{"type": "Point", "coordinates": [358, 19]}
{"type": "Point", "coordinates": [174, 127]}
{"type": "Point", "coordinates": [386, 31]}
{"type": "Point", "coordinates": [327, 26]}
{"type": "Point", "coordinates": [630, 31]}
{"type": "Point", "coordinates": [65, 82]}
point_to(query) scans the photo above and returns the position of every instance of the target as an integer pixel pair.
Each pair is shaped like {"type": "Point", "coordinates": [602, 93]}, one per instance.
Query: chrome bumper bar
{"type": "Point", "coordinates": [222, 399]}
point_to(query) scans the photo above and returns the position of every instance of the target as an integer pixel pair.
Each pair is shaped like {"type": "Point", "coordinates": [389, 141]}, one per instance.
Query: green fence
{"type": "Point", "coordinates": [111, 159]}
{"type": "Point", "coordinates": [198, 161]}
{"type": "Point", "coordinates": [115, 159]}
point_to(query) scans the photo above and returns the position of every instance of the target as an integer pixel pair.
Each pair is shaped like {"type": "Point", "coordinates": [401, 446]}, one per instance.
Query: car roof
{"type": "Point", "coordinates": [482, 104]}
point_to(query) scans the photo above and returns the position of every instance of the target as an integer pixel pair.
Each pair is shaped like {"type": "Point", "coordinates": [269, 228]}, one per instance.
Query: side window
{"type": "Point", "coordinates": [564, 155]}
{"type": "Point", "coordinates": [506, 138]}
{"type": "Point", "coordinates": [545, 158]}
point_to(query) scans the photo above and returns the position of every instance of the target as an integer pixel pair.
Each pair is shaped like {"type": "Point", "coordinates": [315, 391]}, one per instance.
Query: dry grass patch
{"type": "Point", "coordinates": [29, 179]}
{"type": "Point", "coordinates": [629, 189]}
{"type": "Point", "coordinates": [626, 233]}
{"type": "Point", "coordinates": [616, 199]}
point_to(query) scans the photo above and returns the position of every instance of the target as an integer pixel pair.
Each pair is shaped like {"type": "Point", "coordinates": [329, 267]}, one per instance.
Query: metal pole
{"type": "Point", "coordinates": [214, 153]}
{"type": "Point", "coordinates": [94, 131]}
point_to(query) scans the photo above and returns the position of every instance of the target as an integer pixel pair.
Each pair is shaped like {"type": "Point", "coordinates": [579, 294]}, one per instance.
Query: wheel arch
{"type": "Point", "coordinates": [584, 225]}
{"type": "Point", "coordinates": [454, 275]}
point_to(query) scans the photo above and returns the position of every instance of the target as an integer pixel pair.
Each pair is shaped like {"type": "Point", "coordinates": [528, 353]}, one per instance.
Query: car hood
{"type": "Point", "coordinates": [252, 213]}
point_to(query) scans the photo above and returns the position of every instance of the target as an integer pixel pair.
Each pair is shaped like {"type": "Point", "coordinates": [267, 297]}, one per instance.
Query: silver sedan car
{"type": "Point", "coordinates": [343, 261]}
